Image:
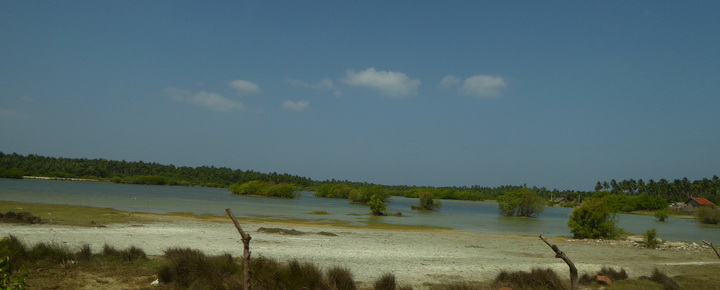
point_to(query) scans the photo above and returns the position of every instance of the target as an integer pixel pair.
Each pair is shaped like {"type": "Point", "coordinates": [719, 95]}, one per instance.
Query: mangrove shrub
{"type": "Point", "coordinates": [521, 202]}
{"type": "Point", "coordinates": [594, 219]}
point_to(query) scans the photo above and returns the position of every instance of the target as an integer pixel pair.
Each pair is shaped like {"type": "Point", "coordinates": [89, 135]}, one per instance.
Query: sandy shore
{"type": "Point", "coordinates": [415, 257]}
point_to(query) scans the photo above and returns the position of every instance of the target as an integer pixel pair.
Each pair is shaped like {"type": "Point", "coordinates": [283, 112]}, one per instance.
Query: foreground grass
{"type": "Point", "coordinates": [59, 266]}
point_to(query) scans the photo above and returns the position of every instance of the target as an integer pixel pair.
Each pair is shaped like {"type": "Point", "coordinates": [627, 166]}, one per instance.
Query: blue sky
{"type": "Point", "coordinates": [556, 94]}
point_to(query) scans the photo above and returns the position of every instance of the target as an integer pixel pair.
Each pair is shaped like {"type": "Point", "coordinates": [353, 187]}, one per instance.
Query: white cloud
{"type": "Point", "coordinates": [205, 99]}
{"type": "Point", "coordinates": [393, 84]}
{"type": "Point", "coordinates": [323, 85]}
{"type": "Point", "coordinates": [450, 81]}
{"type": "Point", "coordinates": [244, 87]}
{"type": "Point", "coordinates": [298, 106]}
{"type": "Point", "coordinates": [483, 86]}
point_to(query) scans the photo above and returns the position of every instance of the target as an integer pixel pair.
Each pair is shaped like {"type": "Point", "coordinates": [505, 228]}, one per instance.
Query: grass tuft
{"type": "Point", "coordinates": [535, 279]}
{"type": "Point", "coordinates": [341, 278]}
{"type": "Point", "coordinates": [587, 279]}
{"type": "Point", "coordinates": [386, 282]}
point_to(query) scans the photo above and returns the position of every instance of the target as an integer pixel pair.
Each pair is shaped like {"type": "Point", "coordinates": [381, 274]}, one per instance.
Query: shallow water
{"type": "Point", "coordinates": [476, 217]}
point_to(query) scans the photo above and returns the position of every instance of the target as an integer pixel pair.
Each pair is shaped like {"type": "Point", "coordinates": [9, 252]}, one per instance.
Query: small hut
{"type": "Point", "coordinates": [696, 202]}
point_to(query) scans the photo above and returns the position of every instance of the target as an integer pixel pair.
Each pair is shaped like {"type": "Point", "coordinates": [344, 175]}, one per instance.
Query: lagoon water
{"type": "Point", "coordinates": [475, 217]}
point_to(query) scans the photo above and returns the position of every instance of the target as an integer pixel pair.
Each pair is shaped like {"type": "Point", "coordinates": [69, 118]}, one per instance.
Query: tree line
{"type": "Point", "coordinates": [135, 172]}
{"type": "Point", "coordinates": [672, 191]}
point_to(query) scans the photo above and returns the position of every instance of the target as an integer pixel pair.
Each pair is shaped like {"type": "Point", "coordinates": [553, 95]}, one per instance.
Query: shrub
{"type": "Point", "coordinates": [521, 202]}
{"type": "Point", "coordinates": [587, 279]}
{"type": "Point", "coordinates": [662, 214]}
{"type": "Point", "coordinates": [9, 278]}
{"type": "Point", "coordinates": [661, 278]}
{"type": "Point", "coordinates": [13, 248]}
{"type": "Point", "coordinates": [20, 217]}
{"type": "Point", "coordinates": [377, 205]}
{"type": "Point", "coordinates": [426, 201]}
{"type": "Point", "coordinates": [131, 254]}
{"type": "Point", "coordinates": [263, 188]}
{"type": "Point", "coordinates": [364, 194]}
{"type": "Point", "coordinates": [386, 282]}
{"type": "Point", "coordinates": [341, 279]}
{"type": "Point", "coordinates": [651, 240]}
{"type": "Point", "coordinates": [85, 253]}
{"type": "Point", "coordinates": [191, 268]}
{"type": "Point", "coordinates": [708, 215]}
{"type": "Point", "coordinates": [50, 252]}
{"type": "Point", "coordinates": [334, 190]}
{"type": "Point", "coordinates": [535, 279]}
{"type": "Point", "coordinates": [593, 220]}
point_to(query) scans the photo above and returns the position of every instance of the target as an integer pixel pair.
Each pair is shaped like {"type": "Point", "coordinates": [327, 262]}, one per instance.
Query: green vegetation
{"type": "Point", "coordinates": [377, 204]}
{"type": "Point", "coordinates": [651, 240]}
{"type": "Point", "coordinates": [426, 201]}
{"type": "Point", "coordinates": [21, 218]}
{"type": "Point", "coordinates": [626, 203]}
{"type": "Point", "coordinates": [263, 188]}
{"type": "Point", "coordinates": [594, 219]}
{"type": "Point", "coordinates": [334, 190]}
{"type": "Point", "coordinates": [677, 190]}
{"type": "Point", "coordinates": [522, 202]}
{"type": "Point", "coordinates": [708, 215]}
{"type": "Point", "coordinates": [662, 214]}
{"type": "Point", "coordinates": [366, 193]}
{"type": "Point", "coordinates": [16, 166]}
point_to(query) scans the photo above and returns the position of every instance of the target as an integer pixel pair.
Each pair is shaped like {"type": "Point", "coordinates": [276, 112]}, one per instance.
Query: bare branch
{"type": "Point", "coordinates": [246, 249]}
{"type": "Point", "coordinates": [574, 283]}
{"type": "Point", "coordinates": [713, 247]}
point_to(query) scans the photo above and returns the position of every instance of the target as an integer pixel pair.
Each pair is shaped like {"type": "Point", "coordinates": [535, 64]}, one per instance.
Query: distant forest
{"type": "Point", "coordinates": [139, 172]}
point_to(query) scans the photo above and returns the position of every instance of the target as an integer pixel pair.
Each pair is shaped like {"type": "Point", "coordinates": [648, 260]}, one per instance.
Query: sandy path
{"type": "Point", "coordinates": [414, 257]}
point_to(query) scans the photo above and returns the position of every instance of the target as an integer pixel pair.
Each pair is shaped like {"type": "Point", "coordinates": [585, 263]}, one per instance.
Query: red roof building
{"type": "Point", "coordinates": [699, 201]}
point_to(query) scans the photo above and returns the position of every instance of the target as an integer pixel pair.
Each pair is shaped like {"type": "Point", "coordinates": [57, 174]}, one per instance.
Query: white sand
{"type": "Point", "coordinates": [415, 257]}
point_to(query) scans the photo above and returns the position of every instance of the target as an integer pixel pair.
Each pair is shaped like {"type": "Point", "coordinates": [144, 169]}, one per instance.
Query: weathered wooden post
{"type": "Point", "coordinates": [574, 283]}
{"type": "Point", "coordinates": [713, 247]}
{"type": "Point", "coordinates": [246, 249]}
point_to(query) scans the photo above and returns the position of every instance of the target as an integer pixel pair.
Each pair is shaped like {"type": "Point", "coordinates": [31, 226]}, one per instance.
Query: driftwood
{"type": "Point", "coordinates": [246, 249]}
{"type": "Point", "coordinates": [713, 247]}
{"type": "Point", "coordinates": [574, 283]}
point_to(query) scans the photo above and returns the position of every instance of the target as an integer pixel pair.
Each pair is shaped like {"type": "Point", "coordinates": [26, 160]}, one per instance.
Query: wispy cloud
{"type": "Point", "coordinates": [244, 87]}
{"type": "Point", "coordinates": [298, 106]}
{"type": "Point", "coordinates": [209, 100]}
{"type": "Point", "coordinates": [12, 114]}
{"type": "Point", "coordinates": [478, 86]}
{"type": "Point", "coordinates": [325, 84]}
{"type": "Point", "coordinates": [393, 84]}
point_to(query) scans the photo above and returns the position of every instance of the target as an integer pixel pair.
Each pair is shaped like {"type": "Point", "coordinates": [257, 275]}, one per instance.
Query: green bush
{"type": "Point", "coordinates": [426, 201]}
{"type": "Point", "coordinates": [377, 205]}
{"type": "Point", "coordinates": [521, 202]}
{"type": "Point", "coordinates": [708, 215]}
{"type": "Point", "coordinates": [9, 278]}
{"type": "Point", "coordinates": [334, 190]}
{"type": "Point", "coordinates": [364, 194]}
{"type": "Point", "coordinates": [50, 252]}
{"type": "Point", "coordinates": [594, 219]}
{"type": "Point", "coordinates": [662, 214]}
{"type": "Point", "coordinates": [263, 188]}
{"type": "Point", "coordinates": [20, 217]}
{"type": "Point", "coordinates": [13, 248]}
{"type": "Point", "coordinates": [651, 240]}
{"type": "Point", "coordinates": [190, 268]}
{"type": "Point", "coordinates": [131, 254]}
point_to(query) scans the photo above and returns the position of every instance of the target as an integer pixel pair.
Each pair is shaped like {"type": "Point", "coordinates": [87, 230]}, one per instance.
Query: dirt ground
{"type": "Point", "coordinates": [415, 257]}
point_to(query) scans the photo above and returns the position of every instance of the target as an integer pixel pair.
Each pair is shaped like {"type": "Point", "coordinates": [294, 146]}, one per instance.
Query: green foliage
{"type": "Point", "coordinates": [626, 203]}
{"type": "Point", "coordinates": [594, 219]}
{"type": "Point", "coordinates": [535, 279]}
{"type": "Point", "coordinates": [651, 240]}
{"type": "Point", "coordinates": [9, 278]}
{"type": "Point", "coordinates": [522, 202]}
{"type": "Point", "coordinates": [377, 204]}
{"type": "Point", "coordinates": [15, 166]}
{"type": "Point", "coordinates": [662, 214]}
{"type": "Point", "coordinates": [708, 214]}
{"type": "Point", "coordinates": [263, 188]}
{"type": "Point", "coordinates": [190, 268]}
{"type": "Point", "coordinates": [334, 190]}
{"type": "Point", "coordinates": [130, 254]}
{"type": "Point", "coordinates": [340, 278]}
{"type": "Point", "coordinates": [14, 249]}
{"type": "Point", "coordinates": [365, 193]}
{"type": "Point", "coordinates": [426, 201]}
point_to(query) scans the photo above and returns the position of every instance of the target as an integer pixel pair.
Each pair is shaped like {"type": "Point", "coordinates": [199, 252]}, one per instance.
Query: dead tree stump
{"type": "Point", "coordinates": [246, 250]}
{"type": "Point", "coordinates": [713, 247]}
{"type": "Point", "coordinates": [574, 283]}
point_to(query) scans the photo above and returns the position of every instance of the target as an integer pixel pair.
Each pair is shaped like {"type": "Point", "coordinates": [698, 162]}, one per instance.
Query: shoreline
{"type": "Point", "coordinates": [416, 256]}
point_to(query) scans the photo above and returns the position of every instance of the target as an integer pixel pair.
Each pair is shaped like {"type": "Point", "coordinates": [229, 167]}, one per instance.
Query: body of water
{"type": "Point", "coordinates": [476, 217]}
